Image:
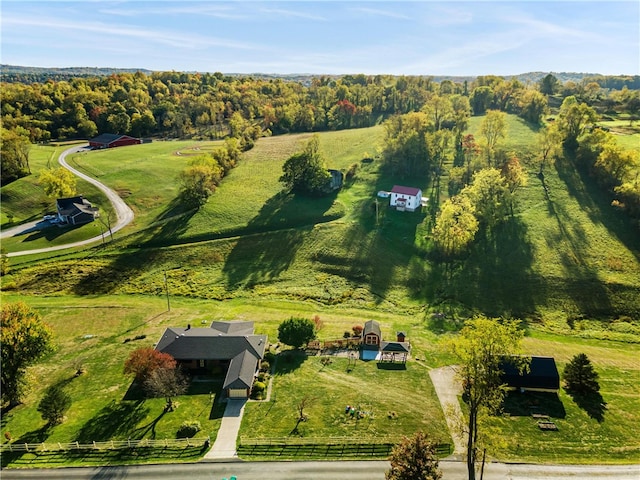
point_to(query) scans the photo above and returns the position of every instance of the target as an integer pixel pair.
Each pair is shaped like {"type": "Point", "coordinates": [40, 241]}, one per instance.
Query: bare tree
{"type": "Point", "coordinates": [168, 383]}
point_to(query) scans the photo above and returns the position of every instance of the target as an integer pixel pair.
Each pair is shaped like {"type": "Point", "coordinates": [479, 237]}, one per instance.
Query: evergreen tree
{"type": "Point", "coordinates": [580, 376]}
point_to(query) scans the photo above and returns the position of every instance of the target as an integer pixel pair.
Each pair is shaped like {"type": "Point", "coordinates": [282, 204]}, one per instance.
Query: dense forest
{"type": "Point", "coordinates": [425, 118]}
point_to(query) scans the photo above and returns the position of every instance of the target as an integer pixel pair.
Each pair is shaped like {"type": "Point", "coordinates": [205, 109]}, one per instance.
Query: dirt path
{"type": "Point", "coordinates": [448, 390]}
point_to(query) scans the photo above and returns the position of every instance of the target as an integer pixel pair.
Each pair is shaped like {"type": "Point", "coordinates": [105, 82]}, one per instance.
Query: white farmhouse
{"type": "Point", "coordinates": [405, 198]}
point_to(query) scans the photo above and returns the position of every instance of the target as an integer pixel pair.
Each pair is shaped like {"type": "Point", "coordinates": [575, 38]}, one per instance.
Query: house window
{"type": "Point", "coordinates": [201, 362]}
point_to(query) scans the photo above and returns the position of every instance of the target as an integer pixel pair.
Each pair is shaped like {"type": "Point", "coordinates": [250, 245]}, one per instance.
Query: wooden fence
{"type": "Point", "coordinates": [110, 445]}
{"type": "Point", "coordinates": [324, 447]}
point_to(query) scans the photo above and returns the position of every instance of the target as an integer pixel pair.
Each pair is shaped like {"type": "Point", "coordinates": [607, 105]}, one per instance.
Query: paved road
{"type": "Point", "coordinates": [124, 214]}
{"type": "Point", "coordinates": [347, 470]}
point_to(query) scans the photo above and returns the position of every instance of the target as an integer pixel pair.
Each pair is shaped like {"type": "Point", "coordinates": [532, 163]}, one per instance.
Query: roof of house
{"type": "Point", "coordinates": [223, 341]}
{"type": "Point", "coordinates": [233, 328]}
{"type": "Point", "coordinates": [399, 347]}
{"type": "Point", "coordinates": [542, 373]}
{"type": "Point", "coordinates": [371, 326]}
{"type": "Point", "coordinates": [106, 138]}
{"type": "Point", "coordinates": [73, 205]}
{"type": "Point", "coordinates": [406, 190]}
{"type": "Point", "coordinates": [241, 370]}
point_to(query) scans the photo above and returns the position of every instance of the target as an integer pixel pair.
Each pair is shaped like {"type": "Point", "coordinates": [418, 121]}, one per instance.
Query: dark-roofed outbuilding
{"type": "Point", "coordinates": [542, 375]}
{"type": "Point", "coordinates": [392, 351]}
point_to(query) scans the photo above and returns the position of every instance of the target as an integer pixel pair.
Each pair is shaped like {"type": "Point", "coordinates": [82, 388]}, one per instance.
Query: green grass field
{"type": "Point", "coordinates": [569, 265]}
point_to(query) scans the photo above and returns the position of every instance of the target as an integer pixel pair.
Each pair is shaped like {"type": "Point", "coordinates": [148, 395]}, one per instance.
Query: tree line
{"type": "Point", "coordinates": [210, 106]}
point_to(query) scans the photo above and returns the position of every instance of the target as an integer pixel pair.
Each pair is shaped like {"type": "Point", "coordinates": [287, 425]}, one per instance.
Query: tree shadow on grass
{"type": "Point", "coordinates": [592, 403]}
{"type": "Point", "coordinates": [114, 420]}
{"type": "Point", "coordinates": [495, 277]}
{"type": "Point", "coordinates": [35, 436]}
{"type": "Point", "coordinates": [49, 232]}
{"type": "Point", "coordinates": [524, 404]}
{"type": "Point", "coordinates": [140, 432]}
{"type": "Point", "coordinates": [596, 202]}
{"type": "Point", "coordinates": [381, 244]}
{"type": "Point", "coordinates": [289, 361]}
{"type": "Point", "coordinates": [273, 237]}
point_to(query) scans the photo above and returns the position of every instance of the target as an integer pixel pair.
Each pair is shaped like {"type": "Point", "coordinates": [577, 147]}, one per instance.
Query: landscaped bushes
{"type": "Point", "coordinates": [188, 429]}
{"type": "Point", "coordinates": [257, 391]}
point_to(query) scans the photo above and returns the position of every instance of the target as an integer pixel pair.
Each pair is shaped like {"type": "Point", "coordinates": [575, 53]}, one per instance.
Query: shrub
{"type": "Point", "coordinates": [265, 366]}
{"type": "Point", "coordinates": [188, 429]}
{"type": "Point", "coordinates": [296, 331]}
{"type": "Point", "coordinates": [257, 391]}
{"type": "Point", "coordinates": [262, 376]}
{"type": "Point", "coordinates": [54, 404]}
{"type": "Point", "coordinates": [357, 330]}
{"type": "Point", "coordinates": [346, 335]}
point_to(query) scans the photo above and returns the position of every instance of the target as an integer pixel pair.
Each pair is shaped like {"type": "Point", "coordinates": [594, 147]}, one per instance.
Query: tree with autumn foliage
{"type": "Point", "coordinates": [414, 458]}
{"type": "Point", "coordinates": [142, 362]}
{"type": "Point", "coordinates": [479, 348]}
{"type": "Point", "coordinates": [24, 338]}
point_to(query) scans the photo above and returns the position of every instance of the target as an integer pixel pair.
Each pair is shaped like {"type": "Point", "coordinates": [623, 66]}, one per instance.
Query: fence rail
{"type": "Point", "coordinates": [110, 445]}
{"type": "Point", "coordinates": [324, 447]}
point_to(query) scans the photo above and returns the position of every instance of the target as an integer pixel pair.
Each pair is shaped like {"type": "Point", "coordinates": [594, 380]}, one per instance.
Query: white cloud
{"type": "Point", "coordinates": [132, 32]}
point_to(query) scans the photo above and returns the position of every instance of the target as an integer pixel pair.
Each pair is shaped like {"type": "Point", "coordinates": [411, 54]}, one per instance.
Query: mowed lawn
{"type": "Point", "coordinates": [99, 332]}
{"type": "Point", "coordinates": [395, 400]}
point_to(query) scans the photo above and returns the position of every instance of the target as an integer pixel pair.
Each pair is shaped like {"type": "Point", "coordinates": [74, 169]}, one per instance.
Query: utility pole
{"type": "Point", "coordinates": [166, 288]}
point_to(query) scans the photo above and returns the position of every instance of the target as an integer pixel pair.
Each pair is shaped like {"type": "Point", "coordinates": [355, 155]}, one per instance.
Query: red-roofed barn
{"type": "Point", "coordinates": [110, 140]}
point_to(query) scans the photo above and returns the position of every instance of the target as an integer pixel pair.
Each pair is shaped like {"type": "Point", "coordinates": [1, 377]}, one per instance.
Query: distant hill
{"type": "Point", "coordinates": [25, 74]}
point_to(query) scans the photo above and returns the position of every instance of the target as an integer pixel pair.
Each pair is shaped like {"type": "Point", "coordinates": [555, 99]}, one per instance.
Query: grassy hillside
{"type": "Point", "coordinates": [568, 259]}
{"type": "Point", "coordinates": [24, 200]}
{"type": "Point", "coordinates": [568, 264]}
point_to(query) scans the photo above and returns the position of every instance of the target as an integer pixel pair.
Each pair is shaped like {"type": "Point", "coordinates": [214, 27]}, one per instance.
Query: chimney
{"type": "Point", "coordinates": [188, 326]}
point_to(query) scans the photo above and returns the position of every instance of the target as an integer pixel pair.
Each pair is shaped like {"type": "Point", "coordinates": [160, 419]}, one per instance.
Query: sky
{"type": "Point", "coordinates": [457, 38]}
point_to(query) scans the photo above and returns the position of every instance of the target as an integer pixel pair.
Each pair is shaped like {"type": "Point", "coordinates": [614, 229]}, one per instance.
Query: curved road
{"type": "Point", "coordinates": [319, 470]}
{"type": "Point", "coordinates": [124, 214]}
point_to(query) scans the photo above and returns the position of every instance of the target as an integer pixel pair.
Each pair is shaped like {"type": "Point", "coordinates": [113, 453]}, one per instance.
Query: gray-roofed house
{"type": "Point", "coordinates": [229, 345]}
{"type": "Point", "coordinates": [75, 210]}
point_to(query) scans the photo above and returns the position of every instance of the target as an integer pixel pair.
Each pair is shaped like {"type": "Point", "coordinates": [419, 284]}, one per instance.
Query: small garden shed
{"type": "Point", "coordinates": [371, 335]}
